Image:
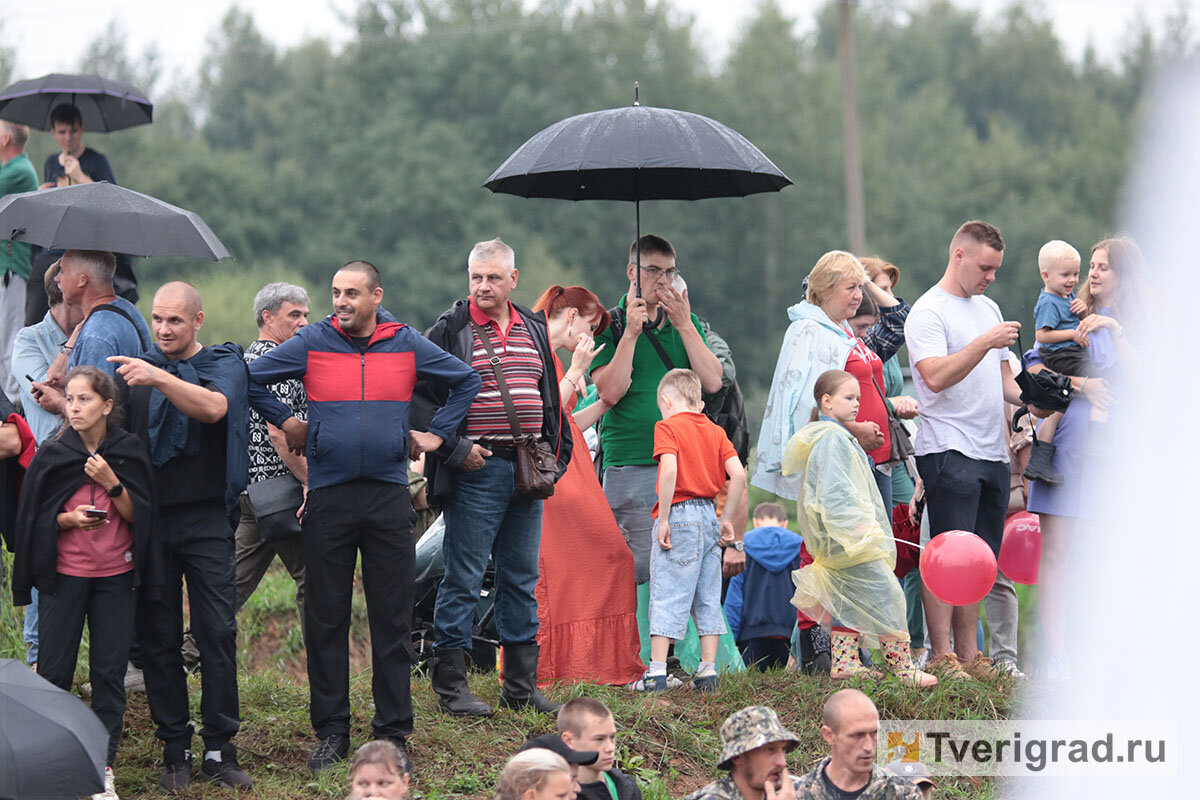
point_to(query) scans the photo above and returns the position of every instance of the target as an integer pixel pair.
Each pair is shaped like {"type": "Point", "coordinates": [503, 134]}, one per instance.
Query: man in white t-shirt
{"type": "Point", "coordinates": [957, 339]}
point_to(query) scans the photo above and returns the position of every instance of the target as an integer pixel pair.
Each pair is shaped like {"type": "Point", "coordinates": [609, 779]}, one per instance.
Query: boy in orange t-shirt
{"type": "Point", "coordinates": [694, 456]}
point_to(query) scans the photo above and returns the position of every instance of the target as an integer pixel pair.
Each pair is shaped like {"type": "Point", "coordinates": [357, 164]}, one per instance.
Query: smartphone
{"type": "Point", "coordinates": [96, 513]}
{"type": "Point", "coordinates": [32, 390]}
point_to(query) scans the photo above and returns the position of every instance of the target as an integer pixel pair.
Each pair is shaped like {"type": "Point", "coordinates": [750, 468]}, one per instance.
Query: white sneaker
{"type": "Point", "coordinates": [134, 680]}
{"type": "Point", "coordinates": [1010, 667]}
{"type": "Point", "coordinates": [110, 790]}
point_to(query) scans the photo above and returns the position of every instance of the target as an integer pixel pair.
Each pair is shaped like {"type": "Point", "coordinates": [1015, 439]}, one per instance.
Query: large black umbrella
{"type": "Point", "coordinates": [637, 153]}
{"type": "Point", "coordinates": [105, 104]}
{"type": "Point", "coordinates": [51, 744]}
{"type": "Point", "coordinates": [102, 216]}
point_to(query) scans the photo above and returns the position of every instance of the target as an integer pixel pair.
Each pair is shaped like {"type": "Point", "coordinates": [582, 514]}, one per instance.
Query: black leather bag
{"type": "Point", "coordinates": [276, 501]}
{"type": "Point", "coordinates": [901, 442]}
{"type": "Point", "coordinates": [1045, 389]}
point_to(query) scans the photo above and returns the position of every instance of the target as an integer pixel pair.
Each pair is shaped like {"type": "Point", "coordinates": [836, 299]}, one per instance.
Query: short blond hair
{"type": "Point", "coordinates": [528, 769]}
{"type": "Point", "coordinates": [830, 270]}
{"type": "Point", "coordinates": [1056, 251]}
{"type": "Point", "coordinates": [684, 383]}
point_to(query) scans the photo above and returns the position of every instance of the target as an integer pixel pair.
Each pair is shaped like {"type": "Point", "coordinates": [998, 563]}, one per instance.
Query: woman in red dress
{"type": "Point", "coordinates": [587, 602]}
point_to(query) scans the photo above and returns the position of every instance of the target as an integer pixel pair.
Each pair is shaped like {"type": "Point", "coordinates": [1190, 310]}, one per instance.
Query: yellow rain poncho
{"type": "Point", "coordinates": [848, 534]}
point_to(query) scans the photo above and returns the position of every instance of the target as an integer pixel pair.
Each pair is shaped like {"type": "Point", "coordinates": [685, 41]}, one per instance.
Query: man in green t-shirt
{"type": "Point", "coordinates": [16, 175]}
{"type": "Point", "coordinates": [627, 372]}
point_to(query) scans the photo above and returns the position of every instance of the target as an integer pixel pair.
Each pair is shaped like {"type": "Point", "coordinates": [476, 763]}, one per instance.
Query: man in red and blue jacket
{"type": "Point", "coordinates": [359, 372]}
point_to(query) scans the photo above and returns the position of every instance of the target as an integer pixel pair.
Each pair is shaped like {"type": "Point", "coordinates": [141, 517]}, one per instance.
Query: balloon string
{"type": "Point", "coordinates": [907, 542]}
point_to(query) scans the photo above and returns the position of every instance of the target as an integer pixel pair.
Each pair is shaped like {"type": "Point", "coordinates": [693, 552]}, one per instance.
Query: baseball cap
{"type": "Point", "coordinates": [554, 743]}
{"type": "Point", "coordinates": [914, 771]}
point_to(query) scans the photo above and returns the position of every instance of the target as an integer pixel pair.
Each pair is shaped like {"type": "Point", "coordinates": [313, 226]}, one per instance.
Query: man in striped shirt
{"type": "Point", "coordinates": [473, 478]}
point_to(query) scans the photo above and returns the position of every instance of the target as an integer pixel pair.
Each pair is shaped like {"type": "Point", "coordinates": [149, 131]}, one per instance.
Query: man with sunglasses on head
{"type": "Point", "coordinates": [650, 335]}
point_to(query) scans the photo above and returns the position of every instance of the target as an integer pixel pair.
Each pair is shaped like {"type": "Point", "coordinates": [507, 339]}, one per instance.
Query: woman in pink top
{"type": "Point", "coordinates": [83, 529]}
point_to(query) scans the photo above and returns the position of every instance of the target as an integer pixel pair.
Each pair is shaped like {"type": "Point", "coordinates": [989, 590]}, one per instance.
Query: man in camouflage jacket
{"type": "Point", "coordinates": [754, 750]}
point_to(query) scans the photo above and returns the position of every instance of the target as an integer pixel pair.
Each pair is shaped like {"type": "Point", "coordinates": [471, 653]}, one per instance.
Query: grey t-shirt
{"type": "Point", "coordinates": [968, 416]}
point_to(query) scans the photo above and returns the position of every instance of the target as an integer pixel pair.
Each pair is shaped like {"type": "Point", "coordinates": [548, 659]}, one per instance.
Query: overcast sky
{"type": "Point", "coordinates": [180, 28]}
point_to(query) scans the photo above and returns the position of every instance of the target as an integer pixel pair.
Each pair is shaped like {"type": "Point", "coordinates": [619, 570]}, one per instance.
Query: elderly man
{"type": "Point", "coordinates": [16, 175]}
{"type": "Point", "coordinates": [473, 478]}
{"type": "Point", "coordinates": [359, 370]}
{"type": "Point", "coordinates": [197, 423]}
{"type": "Point", "coordinates": [754, 750]}
{"type": "Point", "coordinates": [850, 726]}
{"type": "Point", "coordinates": [112, 326]}
{"type": "Point", "coordinates": [280, 309]}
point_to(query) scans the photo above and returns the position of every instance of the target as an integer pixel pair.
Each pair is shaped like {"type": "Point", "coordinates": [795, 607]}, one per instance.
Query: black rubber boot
{"type": "Point", "coordinates": [520, 680]}
{"type": "Point", "coordinates": [1041, 464]}
{"type": "Point", "coordinates": [450, 683]}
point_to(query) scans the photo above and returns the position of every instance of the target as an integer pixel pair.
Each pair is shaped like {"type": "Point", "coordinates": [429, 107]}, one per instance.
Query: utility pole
{"type": "Point", "coordinates": [855, 204]}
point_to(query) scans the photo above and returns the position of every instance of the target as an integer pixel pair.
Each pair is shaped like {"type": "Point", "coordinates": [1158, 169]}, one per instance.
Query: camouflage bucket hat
{"type": "Point", "coordinates": [752, 728]}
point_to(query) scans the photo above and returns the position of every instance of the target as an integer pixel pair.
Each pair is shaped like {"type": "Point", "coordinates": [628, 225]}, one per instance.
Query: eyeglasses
{"type": "Point", "coordinates": [655, 273]}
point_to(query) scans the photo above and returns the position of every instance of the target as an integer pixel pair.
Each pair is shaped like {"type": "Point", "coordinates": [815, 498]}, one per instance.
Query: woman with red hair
{"type": "Point", "coordinates": [587, 602]}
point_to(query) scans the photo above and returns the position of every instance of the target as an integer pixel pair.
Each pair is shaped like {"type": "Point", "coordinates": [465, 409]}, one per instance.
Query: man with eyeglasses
{"type": "Point", "coordinates": [650, 335]}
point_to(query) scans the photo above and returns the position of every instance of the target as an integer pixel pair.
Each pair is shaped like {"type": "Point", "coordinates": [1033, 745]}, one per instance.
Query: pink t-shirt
{"type": "Point", "coordinates": [101, 553]}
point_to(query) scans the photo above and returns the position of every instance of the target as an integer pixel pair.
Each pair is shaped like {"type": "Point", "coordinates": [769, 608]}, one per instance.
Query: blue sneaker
{"type": "Point", "coordinates": [650, 683]}
{"type": "Point", "coordinates": [705, 683]}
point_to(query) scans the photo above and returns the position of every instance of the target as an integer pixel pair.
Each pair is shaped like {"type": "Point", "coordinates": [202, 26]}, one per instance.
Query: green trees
{"type": "Point", "coordinates": [303, 158]}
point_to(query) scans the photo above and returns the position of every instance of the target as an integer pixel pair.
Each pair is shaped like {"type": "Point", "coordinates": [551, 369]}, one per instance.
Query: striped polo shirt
{"type": "Point", "coordinates": [522, 366]}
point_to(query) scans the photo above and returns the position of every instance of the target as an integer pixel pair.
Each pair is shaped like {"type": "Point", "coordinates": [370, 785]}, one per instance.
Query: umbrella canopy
{"type": "Point", "coordinates": [51, 744]}
{"type": "Point", "coordinates": [637, 153]}
{"type": "Point", "coordinates": [105, 104]}
{"type": "Point", "coordinates": [103, 216]}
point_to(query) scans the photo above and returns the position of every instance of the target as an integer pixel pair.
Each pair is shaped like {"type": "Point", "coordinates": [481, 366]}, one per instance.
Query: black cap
{"type": "Point", "coordinates": [554, 743]}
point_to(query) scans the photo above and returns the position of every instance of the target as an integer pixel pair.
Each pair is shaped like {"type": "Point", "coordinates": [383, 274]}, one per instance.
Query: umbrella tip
{"type": "Point", "coordinates": [635, 94]}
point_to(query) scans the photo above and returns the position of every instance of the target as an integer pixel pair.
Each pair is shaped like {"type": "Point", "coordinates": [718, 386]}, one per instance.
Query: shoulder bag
{"type": "Point", "coordinates": [902, 446]}
{"type": "Point", "coordinates": [537, 464]}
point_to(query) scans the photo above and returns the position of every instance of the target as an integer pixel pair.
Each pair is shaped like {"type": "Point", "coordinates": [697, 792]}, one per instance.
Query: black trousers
{"type": "Point", "coordinates": [765, 653]}
{"type": "Point", "coordinates": [340, 521]}
{"type": "Point", "coordinates": [197, 543]}
{"type": "Point", "coordinates": [108, 604]}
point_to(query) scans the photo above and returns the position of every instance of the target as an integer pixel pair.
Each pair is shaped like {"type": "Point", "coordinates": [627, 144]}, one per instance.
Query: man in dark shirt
{"type": "Point", "coordinates": [585, 723]}
{"type": "Point", "coordinates": [197, 421]}
{"type": "Point", "coordinates": [74, 164]}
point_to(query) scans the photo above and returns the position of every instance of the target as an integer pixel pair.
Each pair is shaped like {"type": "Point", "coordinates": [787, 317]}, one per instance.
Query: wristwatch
{"type": "Point", "coordinates": [116, 491]}
{"type": "Point", "coordinates": [738, 545]}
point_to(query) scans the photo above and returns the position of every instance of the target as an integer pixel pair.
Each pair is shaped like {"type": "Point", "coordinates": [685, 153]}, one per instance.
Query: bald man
{"type": "Point", "coordinates": [850, 726]}
{"type": "Point", "coordinates": [198, 428]}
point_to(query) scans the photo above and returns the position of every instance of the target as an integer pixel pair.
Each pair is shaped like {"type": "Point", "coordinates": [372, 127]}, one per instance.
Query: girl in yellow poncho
{"type": "Point", "coordinates": [850, 583]}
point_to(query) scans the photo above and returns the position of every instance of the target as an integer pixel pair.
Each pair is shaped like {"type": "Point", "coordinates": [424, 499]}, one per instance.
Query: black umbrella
{"type": "Point", "coordinates": [637, 153]}
{"type": "Point", "coordinates": [102, 216]}
{"type": "Point", "coordinates": [51, 744]}
{"type": "Point", "coordinates": [105, 104]}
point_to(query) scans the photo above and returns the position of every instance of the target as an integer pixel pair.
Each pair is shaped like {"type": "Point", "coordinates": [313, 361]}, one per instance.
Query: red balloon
{"type": "Point", "coordinates": [958, 567]}
{"type": "Point", "coordinates": [1021, 550]}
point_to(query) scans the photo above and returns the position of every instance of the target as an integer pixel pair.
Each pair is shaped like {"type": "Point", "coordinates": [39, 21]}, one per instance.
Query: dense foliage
{"type": "Point", "coordinates": [303, 158]}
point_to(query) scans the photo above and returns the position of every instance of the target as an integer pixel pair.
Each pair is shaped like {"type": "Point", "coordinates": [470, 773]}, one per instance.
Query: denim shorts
{"type": "Point", "coordinates": [688, 576]}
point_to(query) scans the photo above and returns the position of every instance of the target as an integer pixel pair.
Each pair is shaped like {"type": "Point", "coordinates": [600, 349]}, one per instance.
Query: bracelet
{"type": "Point", "coordinates": [1085, 380]}
{"type": "Point", "coordinates": [578, 388]}
{"type": "Point", "coordinates": [65, 348]}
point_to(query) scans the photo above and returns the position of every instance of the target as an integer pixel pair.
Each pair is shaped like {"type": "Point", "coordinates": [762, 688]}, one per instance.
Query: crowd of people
{"type": "Point", "coordinates": [151, 459]}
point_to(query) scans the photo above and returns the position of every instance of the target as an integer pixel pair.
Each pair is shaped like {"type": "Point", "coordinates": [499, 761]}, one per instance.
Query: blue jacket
{"type": "Point", "coordinates": [358, 403]}
{"type": "Point", "coordinates": [758, 602]}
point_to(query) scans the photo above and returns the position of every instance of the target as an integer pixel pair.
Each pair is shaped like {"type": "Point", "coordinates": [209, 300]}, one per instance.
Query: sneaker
{"type": "Point", "coordinates": [649, 683]}
{"type": "Point", "coordinates": [329, 751]}
{"type": "Point", "coordinates": [947, 667]}
{"type": "Point", "coordinates": [226, 773]}
{"type": "Point", "coordinates": [110, 789]}
{"type": "Point", "coordinates": [134, 680]}
{"type": "Point", "coordinates": [1009, 667]}
{"type": "Point", "coordinates": [981, 667]}
{"type": "Point", "coordinates": [177, 768]}
{"type": "Point", "coordinates": [705, 683]}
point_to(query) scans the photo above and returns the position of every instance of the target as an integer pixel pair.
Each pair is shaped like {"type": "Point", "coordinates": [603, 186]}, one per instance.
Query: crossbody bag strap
{"type": "Point", "coordinates": [662, 353]}
{"type": "Point", "coordinates": [125, 314]}
{"type": "Point", "coordinates": [886, 405]}
{"type": "Point", "coordinates": [513, 421]}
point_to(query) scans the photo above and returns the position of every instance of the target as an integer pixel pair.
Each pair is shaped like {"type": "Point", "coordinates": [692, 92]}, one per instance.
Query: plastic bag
{"type": "Point", "coordinates": [848, 533]}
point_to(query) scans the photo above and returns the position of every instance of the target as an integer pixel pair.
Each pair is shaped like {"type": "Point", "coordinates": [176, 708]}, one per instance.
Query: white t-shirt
{"type": "Point", "coordinates": [968, 416]}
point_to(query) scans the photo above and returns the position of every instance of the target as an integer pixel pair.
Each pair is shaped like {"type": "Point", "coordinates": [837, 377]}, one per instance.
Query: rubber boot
{"type": "Point", "coordinates": [450, 682]}
{"type": "Point", "coordinates": [846, 661]}
{"type": "Point", "coordinates": [520, 680]}
{"type": "Point", "coordinates": [898, 658]}
{"type": "Point", "coordinates": [814, 651]}
{"type": "Point", "coordinates": [1041, 464]}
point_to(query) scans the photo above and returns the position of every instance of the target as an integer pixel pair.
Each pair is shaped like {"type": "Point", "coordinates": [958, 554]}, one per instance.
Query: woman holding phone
{"type": "Point", "coordinates": [83, 539]}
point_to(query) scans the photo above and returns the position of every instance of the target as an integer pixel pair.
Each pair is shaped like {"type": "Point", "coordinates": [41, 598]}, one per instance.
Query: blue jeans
{"type": "Point", "coordinates": [687, 578]}
{"type": "Point", "coordinates": [485, 516]}
{"type": "Point", "coordinates": [30, 633]}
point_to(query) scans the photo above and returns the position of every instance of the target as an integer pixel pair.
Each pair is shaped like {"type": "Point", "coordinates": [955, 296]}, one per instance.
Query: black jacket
{"type": "Point", "coordinates": [452, 332]}
{"type": "Point", "coordinates": [53, 476]}
{"type": "Point", "coordinates": [627, 788]}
